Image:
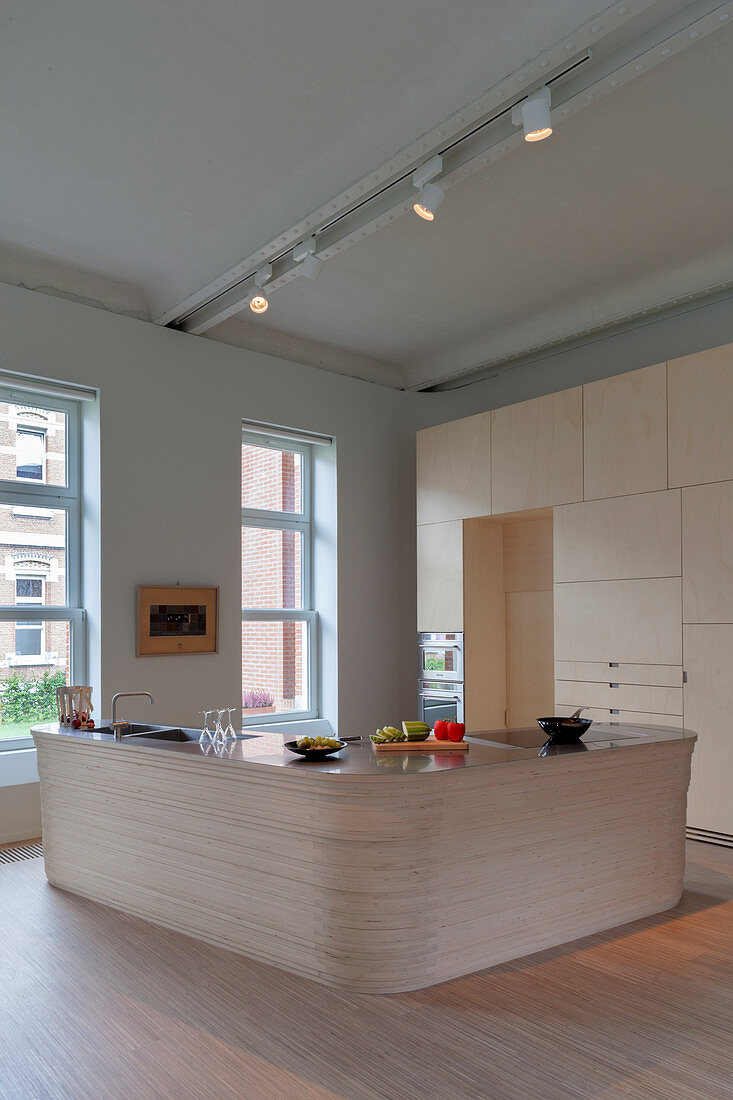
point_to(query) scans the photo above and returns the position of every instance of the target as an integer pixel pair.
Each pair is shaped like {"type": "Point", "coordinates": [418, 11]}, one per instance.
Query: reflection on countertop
{"type": "Point", "coordinates": [492, 747]}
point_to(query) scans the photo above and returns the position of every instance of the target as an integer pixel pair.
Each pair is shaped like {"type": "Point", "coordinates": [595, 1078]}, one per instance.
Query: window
{"type": "Point", "coordinates": [28, 590]}
{"type": "Point", "coordinates": [278, 619]}
{"type": "Point", "coordinates": [30, 450]}
{"type": "Point", "coordinates": [28, 639]}
{"type": "Point", "coordinates": [41, 619]}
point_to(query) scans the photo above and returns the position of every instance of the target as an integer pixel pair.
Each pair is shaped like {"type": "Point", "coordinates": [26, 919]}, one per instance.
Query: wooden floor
{"type": "Point", "coordinates": [94, 1004]}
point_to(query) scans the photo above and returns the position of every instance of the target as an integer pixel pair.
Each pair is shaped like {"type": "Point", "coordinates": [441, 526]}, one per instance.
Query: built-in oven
{"type": "Point", "coordinates": [439, 699]}
{"type": "Point", "coordinates": [441, 656]}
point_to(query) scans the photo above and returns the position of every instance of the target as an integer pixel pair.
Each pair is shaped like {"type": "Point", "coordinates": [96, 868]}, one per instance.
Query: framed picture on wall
{"type": "Point", "coordinates": [174, 619]}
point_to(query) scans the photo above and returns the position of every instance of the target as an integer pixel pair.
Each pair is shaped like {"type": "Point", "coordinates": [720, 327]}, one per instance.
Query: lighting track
{"type": "Point", "coordinates": [388, 192]}
{"type": "Point", "coordinates": [373, 196]}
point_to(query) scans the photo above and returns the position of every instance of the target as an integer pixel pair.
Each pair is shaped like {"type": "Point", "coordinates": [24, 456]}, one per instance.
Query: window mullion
{"type": "Point", "coordinates": [280, 521]}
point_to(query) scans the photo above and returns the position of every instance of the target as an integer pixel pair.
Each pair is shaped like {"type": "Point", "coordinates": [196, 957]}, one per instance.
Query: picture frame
{"type": "Point", "coordinates": [176, 619]}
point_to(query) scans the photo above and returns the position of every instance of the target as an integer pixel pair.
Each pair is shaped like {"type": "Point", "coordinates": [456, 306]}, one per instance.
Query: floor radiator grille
{"type": "Point", "coordinates": [33, 850]}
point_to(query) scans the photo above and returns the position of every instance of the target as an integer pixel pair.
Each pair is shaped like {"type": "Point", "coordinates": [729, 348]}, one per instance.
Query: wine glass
{"type": "Point", "coordinates": [219, 737]}
{"type": "Point", "coordinates": [205, 732]}
{"type": "Point", "coordinates": [230, 733]}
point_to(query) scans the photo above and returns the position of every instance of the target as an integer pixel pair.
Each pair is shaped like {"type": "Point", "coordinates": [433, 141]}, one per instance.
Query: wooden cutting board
{"type": "Point", "coordinates": [430, 745]}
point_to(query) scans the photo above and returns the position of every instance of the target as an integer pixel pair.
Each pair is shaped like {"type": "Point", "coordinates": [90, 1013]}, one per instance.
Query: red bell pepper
{"type": "Point", "coordinates": [456, 731]}
{"type": "Point", "coordinates": [440, 729]}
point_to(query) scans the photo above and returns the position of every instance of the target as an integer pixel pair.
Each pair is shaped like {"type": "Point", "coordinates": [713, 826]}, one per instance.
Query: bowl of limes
{"type": "Point", "coordinates": [315, 748]}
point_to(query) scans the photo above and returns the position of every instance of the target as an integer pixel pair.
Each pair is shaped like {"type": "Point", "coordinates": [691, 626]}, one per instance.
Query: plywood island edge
{"type": "Point", "coordinates": [370, 884]}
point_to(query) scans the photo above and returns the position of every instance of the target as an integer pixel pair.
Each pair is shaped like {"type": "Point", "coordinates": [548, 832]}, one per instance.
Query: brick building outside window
{"type": "Point", "coordinates": [278, 621]}
{"type": "Point", "coordinates": [39, 514]}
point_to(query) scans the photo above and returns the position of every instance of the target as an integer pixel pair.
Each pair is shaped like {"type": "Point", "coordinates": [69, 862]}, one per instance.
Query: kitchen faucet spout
{"type": "Point", "coordinates": [122, 724]}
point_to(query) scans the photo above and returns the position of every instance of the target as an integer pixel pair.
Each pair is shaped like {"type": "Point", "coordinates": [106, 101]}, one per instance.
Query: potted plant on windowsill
{"type": "Point", "coordinates": [257, 702]}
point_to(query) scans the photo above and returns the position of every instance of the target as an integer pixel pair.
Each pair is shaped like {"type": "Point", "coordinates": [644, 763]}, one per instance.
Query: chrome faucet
{"type": "Point", "coordinates": [119, 726]}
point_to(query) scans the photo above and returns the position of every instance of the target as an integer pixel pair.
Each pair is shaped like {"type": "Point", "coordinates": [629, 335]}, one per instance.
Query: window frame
{"type": "Point", "coordinates": [66, 498]}
{"type": "Point", "coordinates": [289, 521]}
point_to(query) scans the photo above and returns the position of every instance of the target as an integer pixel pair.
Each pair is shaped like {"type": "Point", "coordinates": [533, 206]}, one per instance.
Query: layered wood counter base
{"type": "Point", "coordinates": [375, 883]}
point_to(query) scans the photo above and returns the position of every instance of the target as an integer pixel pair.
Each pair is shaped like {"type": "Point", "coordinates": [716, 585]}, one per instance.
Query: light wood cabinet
{"type": "Point", "coordinates": [620, 538]}
{"type": "Point", "coordinates": [634, 621]}
{"type": "Point", "coordinates": [454, 470]}
{"type": "Point", "coordinates": [708, 694]}
{"type": "Point", "coordinates": [507, 617]}
{"type": "Point", "coordinates": [484, 619]}
{"type": "Point", "coordinates": [604, 672]}
{"type": "Point", "coordinates": [700, 395]}
{"type": "Point", "coordinates": [631, 697]}
{"type": "Point", "coordinates": [707, 553]}
{"type": "Point", "coordinates": [625, 433]}
{"type": "Point", "coordinates": [440, 576]}
{"type": "Point", "coordinates": [529, 641]}
{"type": "Point", "coordinates": [634, 477]}
{"type": "Point", "coordinates": [630, 717]}
{"type": "Point", "coordinates": [537, 453]}
{"type": "Point", "coordinates": [528, 555]}
{"type": "Point", "coordinates": [464, 568]}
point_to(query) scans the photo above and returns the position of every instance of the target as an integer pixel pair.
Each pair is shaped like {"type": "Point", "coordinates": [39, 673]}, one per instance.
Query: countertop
{"type": "Point", "coordinates": [260, 748]}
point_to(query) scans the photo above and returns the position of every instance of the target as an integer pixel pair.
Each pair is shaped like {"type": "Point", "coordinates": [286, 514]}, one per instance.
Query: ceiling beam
{"type": "Point", "coordinates": [676, 307]}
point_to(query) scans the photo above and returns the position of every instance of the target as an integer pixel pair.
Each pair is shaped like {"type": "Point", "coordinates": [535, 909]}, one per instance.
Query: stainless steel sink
{"type": "Point", "coordinates": [171, 733]}
{"type": "Point", "coordinates": [140, 732]}
{"type": "Point", "coordinates": [135, 729]}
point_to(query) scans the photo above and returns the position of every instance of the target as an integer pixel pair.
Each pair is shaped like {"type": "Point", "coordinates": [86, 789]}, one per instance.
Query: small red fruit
{"type": "Point", "coordinates": [90, 723]}
{"type": "Point", "coordinates": [456, 731]}
{"type": "Point", "coordinates": [76, 724]}
{"type": "Point", "coordinates": [440, 729]}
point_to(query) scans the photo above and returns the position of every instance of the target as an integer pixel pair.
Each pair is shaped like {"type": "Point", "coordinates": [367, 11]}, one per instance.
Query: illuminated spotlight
{"type": "Point", "coordinates": [427, 203]}
{"type": "Point", "coordinates": [304, 254]}
{"type": "Point", "coordinates": [430, 199]}
{"type": "Point", "coordinates": [533, 115]}
{"type": "Point", "coordinates": [258, 300]}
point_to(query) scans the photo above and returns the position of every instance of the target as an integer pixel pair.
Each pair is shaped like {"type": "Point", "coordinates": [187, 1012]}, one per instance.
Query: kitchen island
{"type": "Point", "coordinates": [371, 872]}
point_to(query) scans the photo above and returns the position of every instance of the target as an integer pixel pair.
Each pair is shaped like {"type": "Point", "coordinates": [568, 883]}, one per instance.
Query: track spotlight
{"type": "Point", "coordinates": [430, 199]}
{"type": "Point", "coordinates": [258, 300]}
{"type": "Point", "coordinates": [304, 254]}
{"type": "Point", "coordinates": [431, 196]}
{"type": "Point", "coordinates": [533, 115]}
{"type": "Point", "coordinates": [312, 267]}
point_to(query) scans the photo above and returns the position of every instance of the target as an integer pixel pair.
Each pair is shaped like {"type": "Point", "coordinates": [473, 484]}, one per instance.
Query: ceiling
{"type": "Point", "coordinates": [148, 148]}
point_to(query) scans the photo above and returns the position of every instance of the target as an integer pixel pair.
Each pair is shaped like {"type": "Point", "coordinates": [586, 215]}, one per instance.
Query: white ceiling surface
{"type": "Point", "coordinates": [160, 142]}
{"type": "Point", "coordinates": [148, 147]}
{"type": "Point", "coordinates": [628, 206]}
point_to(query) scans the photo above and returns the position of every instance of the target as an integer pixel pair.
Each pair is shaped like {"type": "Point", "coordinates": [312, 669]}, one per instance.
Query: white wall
{"type": "Point", "coordinates": [170, 412]}
{"type": "Point", "coordinates": [20, 812]}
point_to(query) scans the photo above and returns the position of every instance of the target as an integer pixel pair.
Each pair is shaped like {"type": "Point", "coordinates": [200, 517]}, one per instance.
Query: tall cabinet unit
{"type": "Point", "coordinates": [618, 608]}
{"type": "Point", "coordinates": [632, 477]}
{"type": "Point", "coordinates": [701, 462]}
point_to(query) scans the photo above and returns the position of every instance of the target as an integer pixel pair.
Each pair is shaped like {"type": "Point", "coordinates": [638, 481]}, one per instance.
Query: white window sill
{"type": "Point", "coordinates": [44, 660]}
{"type": "Point", "coordinates": [18, 766]}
